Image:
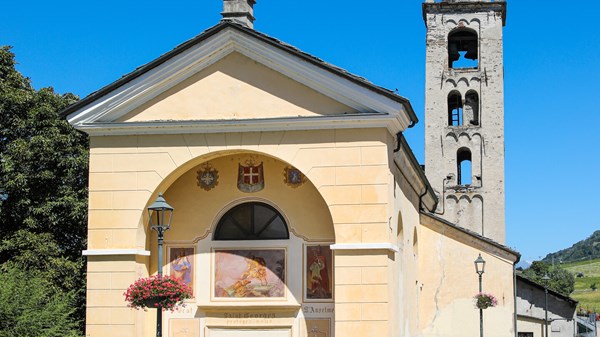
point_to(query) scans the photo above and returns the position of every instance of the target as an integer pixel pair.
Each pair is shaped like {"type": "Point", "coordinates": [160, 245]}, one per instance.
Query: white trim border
{"type": "Point", "coordinates": [108, 252]}
{"type": "Point", "coordinates": [365, 246]}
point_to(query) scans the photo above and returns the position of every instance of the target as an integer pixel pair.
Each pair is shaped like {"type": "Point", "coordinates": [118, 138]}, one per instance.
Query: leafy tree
{"type": "Point", "coordinates": [30, 306]}
{"type": "Point", "coordinates": [560, 281]}
{"type": "Point", "coordinates": [43, 205]}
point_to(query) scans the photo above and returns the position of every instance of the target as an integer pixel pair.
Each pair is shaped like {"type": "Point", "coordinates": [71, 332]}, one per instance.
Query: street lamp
{"type": "Point", "coordinates": [545, 279]}
{"type": "Point", "coordinates": [480, 269]}
{"type": "Point", "coordinates": [160, 214]}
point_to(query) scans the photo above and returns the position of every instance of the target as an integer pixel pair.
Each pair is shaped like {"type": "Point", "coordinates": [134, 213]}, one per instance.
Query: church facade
{"type": "Point", "coordinates": [299, 207]}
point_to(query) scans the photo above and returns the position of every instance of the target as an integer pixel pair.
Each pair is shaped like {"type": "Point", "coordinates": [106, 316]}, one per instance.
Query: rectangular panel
{"type": "Point", "coordinates": [181, 264]}
{"type": "Point", "coordinates": [286, 332]}
{"type": "Point", "coordinates": [249, 273]}
{"type": "Point", "coordinates": [316, 328]}
{"type": "Point", "coordinates": [318, 273]}
{"type": "Point", "coordinates": [184, 327]}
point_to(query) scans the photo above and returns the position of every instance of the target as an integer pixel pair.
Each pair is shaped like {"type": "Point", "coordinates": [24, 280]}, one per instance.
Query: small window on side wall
{"type": "Point", "coordinates": [463, 49]}
{"type": "Point", "coordinates": [252, 221]}
{"type": "Point", "coordinates": [464, 168]}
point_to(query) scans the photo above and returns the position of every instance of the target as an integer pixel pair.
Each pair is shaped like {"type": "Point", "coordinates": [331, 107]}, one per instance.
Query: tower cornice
{"type": "Point", "coordinates": [464, 7]}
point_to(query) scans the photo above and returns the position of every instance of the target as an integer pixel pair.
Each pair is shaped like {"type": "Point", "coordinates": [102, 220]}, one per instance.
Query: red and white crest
{"type": "Point", "coordinates": [251, 177]}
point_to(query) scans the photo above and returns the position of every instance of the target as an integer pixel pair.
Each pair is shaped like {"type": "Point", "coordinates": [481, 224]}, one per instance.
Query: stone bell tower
{"type": "Point", "coordinates": [464, 112]}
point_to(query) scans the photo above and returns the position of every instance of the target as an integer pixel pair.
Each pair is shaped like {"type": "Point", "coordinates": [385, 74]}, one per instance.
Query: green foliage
{"type": "Point", "coordinates": [43, 207]}
{"type": "Point", "coordinates": [584, 249]}
{"type": "Point", "coordinates": [560, 281]}
{"type": "Point", "coordinates": [30, 306]}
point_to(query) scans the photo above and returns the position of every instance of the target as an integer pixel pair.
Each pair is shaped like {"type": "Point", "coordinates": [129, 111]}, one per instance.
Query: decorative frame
{"type": "Point", "coordinates": [184, 327]}
{"type": "Point", "coordinates": [207, 177]}
{"type": "Point", "coordinates": [181, 263]}
{"type": "Point", "coordinates": [293, 177]}
{"type": "Point", "coordinates": [317, 272]}
{"type": "Point", "coordinates": [248, 274]}
{"type": "Point", "coordinates": [316, 327]}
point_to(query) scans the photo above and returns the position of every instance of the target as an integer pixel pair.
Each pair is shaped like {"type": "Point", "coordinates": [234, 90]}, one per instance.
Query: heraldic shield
{"type": "Point", "coordinates": [251, 178]}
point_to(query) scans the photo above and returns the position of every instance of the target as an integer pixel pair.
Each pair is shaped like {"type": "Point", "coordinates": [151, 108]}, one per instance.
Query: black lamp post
{"type": "Point", "coordinates": [480, 269]}
{"type": "Point", "coordinates": [545, 279]}
{"type": "Point", "coordinates": [160, 214]}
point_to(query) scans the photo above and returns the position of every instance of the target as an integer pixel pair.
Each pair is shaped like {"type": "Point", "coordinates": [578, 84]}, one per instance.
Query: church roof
{"type": "Point", "coordinates": [260, 36]}
{"type": "Point", "coordinates": [540, 287]}
{"type": "Point", "coordinates": [473, 234]}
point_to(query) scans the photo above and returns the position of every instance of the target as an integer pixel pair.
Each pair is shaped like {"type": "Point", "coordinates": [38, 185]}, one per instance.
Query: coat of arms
{"type": "Point", "coordinates": [250, 177]}
{"type": "Point", "coordinates": [207, 177]}
{"type": "Point", "coordinates": [293, 177]}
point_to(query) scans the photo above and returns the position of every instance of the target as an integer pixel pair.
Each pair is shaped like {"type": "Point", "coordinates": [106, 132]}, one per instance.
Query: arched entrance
{"type": "Point", "coordinates": [252, 236]}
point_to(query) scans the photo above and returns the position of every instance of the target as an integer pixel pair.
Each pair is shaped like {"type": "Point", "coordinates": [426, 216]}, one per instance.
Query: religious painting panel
{"type": "Point", "coordinates": [181, 264]}
{"type": "Point", "coordinates": [318, 273]}
{"type": "Point", "coordinates": [249, 273]}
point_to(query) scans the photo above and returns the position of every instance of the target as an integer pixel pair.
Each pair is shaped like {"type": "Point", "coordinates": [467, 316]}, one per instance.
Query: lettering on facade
{"type": "Point", "coordinates": [311, 309]}
{"type": "Point", "coordinates": [246, 318]}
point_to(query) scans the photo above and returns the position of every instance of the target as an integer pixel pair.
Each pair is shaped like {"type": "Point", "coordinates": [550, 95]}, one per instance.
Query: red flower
{"type": "Point", "coordinates": [165, 292]}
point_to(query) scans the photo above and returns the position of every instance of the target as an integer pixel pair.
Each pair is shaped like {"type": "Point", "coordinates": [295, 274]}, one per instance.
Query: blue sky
{"type": "Point", "coordinates": [552, 65]}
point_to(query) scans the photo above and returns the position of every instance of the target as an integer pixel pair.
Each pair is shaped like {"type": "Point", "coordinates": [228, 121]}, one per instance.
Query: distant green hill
{"type": "Point", "coordinates": [582, 250]}
{"type": "Point", "coordinates": [589, 273]}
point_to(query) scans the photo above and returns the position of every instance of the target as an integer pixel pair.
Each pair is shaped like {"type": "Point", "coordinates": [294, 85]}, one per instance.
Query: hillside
{"type": "Point", "coordinates": [588, 298]}
{"type": "Point", "coordinates": [582, 250]}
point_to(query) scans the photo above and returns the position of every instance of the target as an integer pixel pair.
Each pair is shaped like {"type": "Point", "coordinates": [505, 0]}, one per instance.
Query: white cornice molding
{"type": "Point", "coordinates": [140, 90]}
{"type": "Point", "coordinates": [243, 125]}
{"type": "Point", "coordinates": [365, 246]}
{"type": "Point", "coordinates": [109, 252]}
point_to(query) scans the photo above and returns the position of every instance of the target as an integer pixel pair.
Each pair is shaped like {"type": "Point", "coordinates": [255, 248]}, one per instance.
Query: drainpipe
{"type": "Point", "coordinates": [399, 144]}
{"type": "Point", "coordinates": [515, 297]}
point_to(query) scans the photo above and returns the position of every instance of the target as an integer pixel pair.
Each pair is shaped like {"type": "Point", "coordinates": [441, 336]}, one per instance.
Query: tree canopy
{"type": "Point", "coordinates": [43, 207]}
{"type": "Point", "coordinates": [560, 281]}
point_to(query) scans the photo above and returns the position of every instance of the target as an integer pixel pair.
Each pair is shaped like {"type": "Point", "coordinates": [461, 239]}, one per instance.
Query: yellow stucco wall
{"type": "Point", "coordinates": [346, 200]}
{"type": "Point", "coordinates": [448, 281]}
{"type": "Point", "coordinates": [236, 87]}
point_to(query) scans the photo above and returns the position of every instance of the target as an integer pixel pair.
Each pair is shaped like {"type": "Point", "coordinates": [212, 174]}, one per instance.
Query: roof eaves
{"type": "Point", "coordinates": [263, 37]}
{"type": "Point", "coordinates": [550, 291]}
{"type": "Point", "coordinates": [143, 69]}
{"type": "Point", "coordinates": [473, 234]}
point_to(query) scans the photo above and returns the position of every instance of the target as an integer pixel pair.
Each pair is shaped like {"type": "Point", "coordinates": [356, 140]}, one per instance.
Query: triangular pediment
{"type": "Point", "coordinates": [230, 74]}
{"type": "Point", "coordinates": [236, 87]}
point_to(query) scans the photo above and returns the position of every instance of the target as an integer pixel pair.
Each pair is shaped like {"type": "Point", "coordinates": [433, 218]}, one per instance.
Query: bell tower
{"type": "Point", "coordinates": [464, 112]}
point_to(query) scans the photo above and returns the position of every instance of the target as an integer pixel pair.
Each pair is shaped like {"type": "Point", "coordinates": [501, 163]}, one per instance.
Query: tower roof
{"type": "Point", "coordinates": [464, 6]}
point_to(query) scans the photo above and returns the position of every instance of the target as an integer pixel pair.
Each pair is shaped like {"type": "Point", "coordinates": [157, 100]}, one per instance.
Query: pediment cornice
{"type": "Point", "coordinates": [101, 110]}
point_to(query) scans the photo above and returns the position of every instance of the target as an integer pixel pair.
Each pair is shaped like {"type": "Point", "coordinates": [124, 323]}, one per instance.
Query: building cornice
{"type": "Point", "coordinates": [365, 246]}
{"type": "Point", "coordinates": [459, 7]}
{"type": "Point", "coordinates": [243, 125]}
{"type": "Point", "coordinates": [118, 99]}
{"type": "Point", "coordinates": [111, 252]}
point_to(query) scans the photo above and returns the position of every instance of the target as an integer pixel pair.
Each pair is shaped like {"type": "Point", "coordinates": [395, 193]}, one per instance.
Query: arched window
{"type": "Point", "coordinates": [455, 109]}
{"type": "Point", "coordinates": [463, 159]}
{"type": "Point", "coordinates": [462, 49]}
{"type": "Point", "coordinates": [252, 221]}
{"type": "Point", "coordinates": [471, 109]}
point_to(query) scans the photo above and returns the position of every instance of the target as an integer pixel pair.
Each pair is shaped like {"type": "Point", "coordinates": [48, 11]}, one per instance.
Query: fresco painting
{"type": "Point", "coordinates": [181, 264]}
{"type": "Point", "coordinates": [318, 272]}
{"type": "Point", "coordinates": [248, 273]}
